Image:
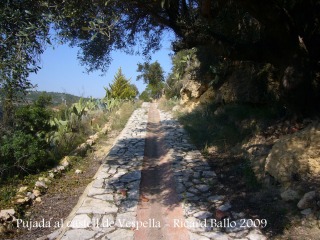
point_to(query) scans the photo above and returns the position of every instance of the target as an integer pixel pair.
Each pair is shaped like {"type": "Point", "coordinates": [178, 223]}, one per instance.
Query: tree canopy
{"type": "Point", "coordinates": [152, 75]}
{"type": "Point", "coordinates": [284, 33]}
{"type": "Point", "coordinates": [246, 29]}
{"type": "Point", "coordinates": [24, 27]}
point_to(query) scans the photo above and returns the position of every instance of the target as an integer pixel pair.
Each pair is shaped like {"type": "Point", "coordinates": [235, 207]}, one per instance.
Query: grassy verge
{"type": "Point", "coordinates": [118, 119]}
{"type": "Point", "coordinates": [223, 127]}
{"type": "Point", "coordinates": [168, 104]}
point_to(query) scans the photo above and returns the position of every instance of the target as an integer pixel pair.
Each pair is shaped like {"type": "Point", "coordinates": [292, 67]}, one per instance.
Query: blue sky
{"type": "Point", "coordinates": [61, 71]}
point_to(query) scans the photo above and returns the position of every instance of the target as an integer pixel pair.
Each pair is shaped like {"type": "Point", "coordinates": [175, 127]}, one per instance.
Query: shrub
{"type": "Point", "coordinates": [26, 148]}
{"type": "Point", "coordinates": [64, 142]}
{"type": "Point", "coordinates": [167, 105]}
{"type": "Point", "coordinates": [23, 151]}
{"type": "Point", "coordinates": [33, 120]}
{"type": "Point", "coordinates": [120, 117]}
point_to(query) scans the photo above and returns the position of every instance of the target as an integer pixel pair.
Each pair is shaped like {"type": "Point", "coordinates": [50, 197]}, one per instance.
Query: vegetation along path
{"type": "Point", "coordinates": [154, 184]}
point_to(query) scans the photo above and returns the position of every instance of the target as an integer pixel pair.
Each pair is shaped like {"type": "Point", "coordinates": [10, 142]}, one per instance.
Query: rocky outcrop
{"type": "Point", "coordinates": [296, 156]}
{"type": "Point", "coordinates": [194, 94]}
{"type": "Point", "coordinates": [237, 82]}
{"type": "Point", "coordinates": [191, 89]}
{"type": "Point", "coordinates": [291, 157]}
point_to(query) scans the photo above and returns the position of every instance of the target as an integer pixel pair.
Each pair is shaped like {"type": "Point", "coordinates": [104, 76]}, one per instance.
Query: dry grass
{"type": "Point", "coordinates": [120, 117]}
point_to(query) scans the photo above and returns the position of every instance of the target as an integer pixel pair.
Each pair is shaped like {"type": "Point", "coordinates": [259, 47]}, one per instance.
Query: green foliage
{"type": "Point", "coordinates": [121, 88]}
{"type": "Point", "coordinates": [156, 90]}
{"type": "Point", "coordinates": [24, 27]}
{"type": "Point", "coordinates": [6, 194]}
{"type": "Point", "coordinates": [79, 109]}
{"type": "Point", "coordinates": [168, 104]}
{"type": "Point", "coordinates": [100, 27]}
{"type": "Point", "coordinates": [34, 119]}
{"type": "Point", "coordinates": [249, 176]}
{"type": "Point", "coordinates": [284, 33]}
{"type": "Point", "coordinates": [182, 61]}
{"type": "Point", "coordinates": [173, 86]}
{"type": "Point", "coordinates": [40, 136]}
{"type": "Point", "coordinates": [27, 148]}
{"type": "Point", "coordinates": [92, 104]}
{"type": "Point", "coordinates": [112, 103]}
{"type": "Point", "coordinates": [23, 151]}
{"type": "Point", "coordinates": [65, 141]}
{"type": "Point", "coordinates": [145, 96]}
{"type": "Point", "coordinates": [152, 75]}
{"type": "Point", "coordinates": [182, 64]}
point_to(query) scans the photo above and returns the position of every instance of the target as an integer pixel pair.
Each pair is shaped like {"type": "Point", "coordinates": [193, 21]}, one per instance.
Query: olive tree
{"type": "Point", "coordinates": [284, 33]}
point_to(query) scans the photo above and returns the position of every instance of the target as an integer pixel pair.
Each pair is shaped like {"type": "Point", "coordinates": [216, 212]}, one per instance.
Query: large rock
{"type": "Point", "coordinates": [65, 161]}
{"type": "Point", "coordinates": [41, 185]}
{"type": "Point", "coordinates": [289, 195]}
{"type": "Point", "coordinates": [308, 200]}
{"type": "Point", "coordinates": [194, 94]}
{"type": "Point", "coordinates": [7, 214]}
{"type": "Point", "coordinates": [36, 192]}
{"type": "Point", "coordinates": [21, 201]}
{"type": "Point", "coordinates": [295, 156]}
{"type": "Point", "coordinates": [23, 189]}
{"type": "Point", "coordinates": [191, 90]}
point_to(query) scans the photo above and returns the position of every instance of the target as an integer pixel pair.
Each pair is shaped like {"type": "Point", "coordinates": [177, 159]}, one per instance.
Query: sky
{"type": "Point", "coordinates": [61, 71]}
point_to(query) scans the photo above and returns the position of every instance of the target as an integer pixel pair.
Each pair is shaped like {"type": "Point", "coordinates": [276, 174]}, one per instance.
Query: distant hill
{"type": "Point", "coordinates": [57, 98]}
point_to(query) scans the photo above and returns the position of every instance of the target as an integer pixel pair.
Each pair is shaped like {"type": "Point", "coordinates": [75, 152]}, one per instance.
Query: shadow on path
{"type": "Point", "coordinates": [158, 198]}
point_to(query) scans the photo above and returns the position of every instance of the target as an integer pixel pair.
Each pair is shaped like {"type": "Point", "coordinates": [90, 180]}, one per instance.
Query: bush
{"type": "Point", "coordinates": [33, 120]}
{"type": "Point", "coordinates": [168, 105]}
{"type": "Point", "coordinates": [64, 142]}
{"type": "Point", "coordinates": [26, 147]}
{"type": "Point", "coordinates": [23, 151]}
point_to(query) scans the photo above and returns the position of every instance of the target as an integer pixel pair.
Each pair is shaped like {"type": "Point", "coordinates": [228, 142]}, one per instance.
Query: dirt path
{"type": "Point", "coordinates": [159, 204]}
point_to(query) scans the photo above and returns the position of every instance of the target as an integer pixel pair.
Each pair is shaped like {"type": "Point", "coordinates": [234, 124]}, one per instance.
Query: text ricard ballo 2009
{"type": "Point", "coordinates": [150, 223]}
